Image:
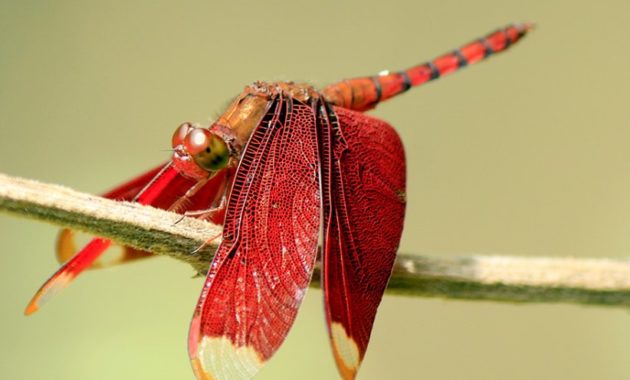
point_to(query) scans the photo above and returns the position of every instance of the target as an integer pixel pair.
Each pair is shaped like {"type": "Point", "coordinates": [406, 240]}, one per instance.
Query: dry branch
{"type": "Point", "coordinates": [603, 282]}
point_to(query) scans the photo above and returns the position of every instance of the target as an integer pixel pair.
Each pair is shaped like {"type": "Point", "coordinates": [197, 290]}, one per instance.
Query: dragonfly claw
{"type": "Point", "coordinates": [204, 244]}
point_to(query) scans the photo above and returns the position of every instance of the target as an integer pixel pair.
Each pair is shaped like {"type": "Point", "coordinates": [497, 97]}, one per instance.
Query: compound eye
{"type": "Point", "coordinates": [180, 134]}
{"type": "Point", "coordinates": [208, 150]}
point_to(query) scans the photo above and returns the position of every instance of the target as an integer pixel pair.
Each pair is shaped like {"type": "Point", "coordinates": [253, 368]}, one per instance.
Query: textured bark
{"type": "Point", "coordinates": [603, 282]}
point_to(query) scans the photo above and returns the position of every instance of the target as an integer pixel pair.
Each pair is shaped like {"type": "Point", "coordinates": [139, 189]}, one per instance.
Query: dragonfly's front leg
{"type": "Point", "coordinates": [180, 203]}
{"type": "Point", "coordinates": [217, 207]}
{"type": "Point", "coordinates": [208, 213]}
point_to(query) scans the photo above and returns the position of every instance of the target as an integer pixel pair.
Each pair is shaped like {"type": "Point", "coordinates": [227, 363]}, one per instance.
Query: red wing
{"type": "Point", "coordinates": [364, 206]}
{"type": "Point", "coordinates": [66, 240]}
{"type": "Point", "coordinates": [159, 187]}
{"type": "Point", "coordinates": [130, 189]}
{"type": "Point", "coordinates": [264, 264]}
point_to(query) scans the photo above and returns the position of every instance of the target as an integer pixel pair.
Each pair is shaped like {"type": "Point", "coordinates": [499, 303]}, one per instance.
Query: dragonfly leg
{"type": "Point", "coordinates": [206, 214]}
{"type": "Point", "coordinates": [216, 207]}
{"type": "Point", "coordinates": [206, 243]}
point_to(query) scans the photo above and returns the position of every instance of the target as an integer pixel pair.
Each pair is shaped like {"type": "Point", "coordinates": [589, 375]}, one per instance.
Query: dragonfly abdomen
{"type": "Point", "coordinates": [364, 93]}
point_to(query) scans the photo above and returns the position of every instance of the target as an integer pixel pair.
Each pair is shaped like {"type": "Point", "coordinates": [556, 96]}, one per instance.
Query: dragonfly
{"type": "Point", "coordinates": [293, 174]}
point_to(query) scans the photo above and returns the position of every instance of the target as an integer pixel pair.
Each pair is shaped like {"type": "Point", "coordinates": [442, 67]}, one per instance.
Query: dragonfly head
{"type": "Point", "coordinates": [199, 152]}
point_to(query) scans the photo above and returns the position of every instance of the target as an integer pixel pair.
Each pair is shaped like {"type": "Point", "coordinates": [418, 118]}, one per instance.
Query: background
{"type": "Point", "coordinates": [525, 154]}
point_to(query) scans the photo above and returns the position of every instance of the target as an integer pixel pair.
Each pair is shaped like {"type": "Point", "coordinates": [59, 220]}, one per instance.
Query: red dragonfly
{"type": "Point", "coordinates": [287, 169]}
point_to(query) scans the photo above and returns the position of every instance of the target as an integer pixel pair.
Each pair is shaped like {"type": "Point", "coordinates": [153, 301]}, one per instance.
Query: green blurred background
{"type": "Point", "coordinates": [526, 154]}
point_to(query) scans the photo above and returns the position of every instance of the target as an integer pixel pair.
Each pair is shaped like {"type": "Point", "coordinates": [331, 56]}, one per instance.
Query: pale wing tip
{"type": "Point", "coordinates": [346, 351]}
{"type": "Point", "coordinates": [217, 358]}
{"type": "Point", "coordinates": [200, 373]}
{"type": "Point", "coordinates": [54, 285]}
{"type": "Point", "coordinates": [31, 308]}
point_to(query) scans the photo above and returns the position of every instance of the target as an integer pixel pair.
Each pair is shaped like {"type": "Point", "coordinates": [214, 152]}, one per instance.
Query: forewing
{"type": "Point", "coordinates": [162, 187]}
{"type": "Point", "coordinates": [129, 189]}
{"type": "Point", "coordinates": [261, 270]}
{"type": "Point", "coordinates": [364, 205]}
{"type": "Point", "coordinates": [68, 241]}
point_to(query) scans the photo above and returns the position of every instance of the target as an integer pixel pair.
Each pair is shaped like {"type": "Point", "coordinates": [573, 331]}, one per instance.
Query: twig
{"type": "Point", "coordinates": [603, 282]}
